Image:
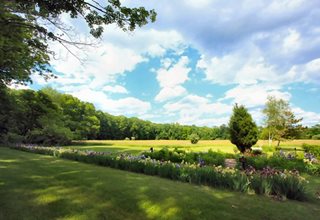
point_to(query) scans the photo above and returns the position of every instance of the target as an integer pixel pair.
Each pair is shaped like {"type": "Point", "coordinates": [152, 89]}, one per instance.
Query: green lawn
{"type": "Point", "coordinates": [138, 146]}
{"type": "Point", "coordinates": [42, 187]}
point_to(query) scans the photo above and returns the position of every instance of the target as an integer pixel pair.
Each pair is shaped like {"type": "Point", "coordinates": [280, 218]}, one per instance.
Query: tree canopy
{"type": "Point", "coordinates": [243, 130]}
{"type": "Point", "coordinates": [25, 31]}
{"type": "Point", "coordinates": [49, 117]}
{"type": "Point", "coordinates": [280, 121]}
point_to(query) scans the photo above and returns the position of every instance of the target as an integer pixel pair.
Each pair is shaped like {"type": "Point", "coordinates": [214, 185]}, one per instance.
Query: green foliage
{"type": "Point", "coordinates": [260, 185]}
{"type": "Point", "coordinates": [178, 156]}
{"type": "Point", "coordinates": [53, 115]}
{"type": "Point", "coordinates": [194, 138]}
{"type": "Point", "coordinates": [24, 35]}
{"type": "Point", "coordinates": [309, 132]}
{"type": "Point", "coordinates": [243, 130]}
{"type": "Point", "coordinates": [314, 149]}
{"type": "Point", "coordinates": [290, 185]}
{"type": "Point", "coordinates": [280, 121]}
{"type": "Point", "coordinates": [316, 137]}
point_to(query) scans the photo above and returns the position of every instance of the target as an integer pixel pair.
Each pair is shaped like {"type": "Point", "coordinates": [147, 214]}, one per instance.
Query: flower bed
{"type": "Point", "coordinates": [268, 181]}
{"type": "Point", "coordinates": [259, 162]}
{"type": "Point", "coordinates": [178, 156]}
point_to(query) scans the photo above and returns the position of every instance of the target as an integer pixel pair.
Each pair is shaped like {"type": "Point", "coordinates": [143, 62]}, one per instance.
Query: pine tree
{"type": "Point", "coordinates": [243, 130]}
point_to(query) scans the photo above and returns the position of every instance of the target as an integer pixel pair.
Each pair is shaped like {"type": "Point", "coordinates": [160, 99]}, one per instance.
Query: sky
{"type": "Point", "coordinates": [197, 60]}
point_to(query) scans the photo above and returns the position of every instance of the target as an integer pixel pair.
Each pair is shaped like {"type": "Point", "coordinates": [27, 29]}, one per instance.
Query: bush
{"type": "Point", "coordinates": [278, 162]}
{"type": "Point", "coordinates": [316, 137]}
{"type": "Point", "coordinates": [257, 151]}
{"type": "Point", "coordinates": [127, 139]}
{"type": "Point", "coordinates": [194, 138]}
{"type": "Point", "coordinates": [177, 156]}
{"type": "Point", "coordinates": [11, 138]}
{"type": "Point", "coordinates": [314, 149]}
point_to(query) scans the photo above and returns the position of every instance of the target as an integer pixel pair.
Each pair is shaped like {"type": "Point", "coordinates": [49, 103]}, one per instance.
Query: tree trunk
{"type": "Point", "coordinates": [269, 139]}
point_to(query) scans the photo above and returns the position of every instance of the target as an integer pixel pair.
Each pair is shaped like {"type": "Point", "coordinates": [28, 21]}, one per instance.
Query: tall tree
{"type": "Point", "coordinates": [243, 130]}
{"type": "Point", "coordinates": [26, 29]}
{"type": "Point", "coordinates": [280, 121]}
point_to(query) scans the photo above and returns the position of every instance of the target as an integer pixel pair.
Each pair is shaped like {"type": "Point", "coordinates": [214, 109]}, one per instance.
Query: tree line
{"type": "Point", "coordinates": [49, 117]}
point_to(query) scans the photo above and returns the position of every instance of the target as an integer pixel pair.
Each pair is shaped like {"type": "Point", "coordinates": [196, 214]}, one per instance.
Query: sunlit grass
{"type": "Point", "coordinates": [137, 146]}
{"type": "Point", "coordinates": [43, 187]}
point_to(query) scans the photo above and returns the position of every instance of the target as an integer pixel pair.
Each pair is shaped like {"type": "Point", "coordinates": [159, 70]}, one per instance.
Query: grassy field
{"type": "Point", "coordinates": [42, 187]}
{"type": "Point", "coordinates": [138, 146]}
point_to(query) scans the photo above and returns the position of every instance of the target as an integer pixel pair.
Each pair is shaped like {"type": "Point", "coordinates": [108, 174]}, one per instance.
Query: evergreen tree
{"type": "Point", "coordinates": [243, 130]}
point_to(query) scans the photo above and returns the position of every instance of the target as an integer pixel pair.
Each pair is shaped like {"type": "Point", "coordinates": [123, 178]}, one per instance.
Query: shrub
{"type": "Point", "coordinates": [316, 137]}
{"type": "Point", "coordinates": [290, 185]}
{"type": "Point", "coordinates": [194, 138]}
{"type": "Point", "coordinates": [243, 130]}
{"type": "Point", "coordinates": [257, 151]}
{"type": "Point", "coordinates": [260, 185]}
{"type": "Point", "coordinates": [314, 149]}
{"type": "Point", "coordinates": [127, 139]}
{"type": "Point", "coordinates": [11, 138]}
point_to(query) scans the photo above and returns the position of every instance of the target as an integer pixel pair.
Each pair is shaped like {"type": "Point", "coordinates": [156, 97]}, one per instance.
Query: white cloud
{"type": "Point", "coordinates": [309, 118]}
{"type": "Point", "coordinates": [309, 72]}
{"type": "Point", "coordinates": [198, 110]}
{"type": "Point", "coordinates": [237, 68]}
{"type": "Point", "coordinates": [292, 41]}
{"type": "Point", "coordinates": [170, 92]}
{"type": "Point", "coordinates": [115, 89]}
{"type": "Point", "coordinates": [124, 106]}
{"type": "Point", "coordinates": [170, 78]}
{"type": "Point", "coordinates": [254, 95]}
{"type": "Point", "coordinates": [175, 75]}
{"type": "Point", "coordinates": [103, 65]}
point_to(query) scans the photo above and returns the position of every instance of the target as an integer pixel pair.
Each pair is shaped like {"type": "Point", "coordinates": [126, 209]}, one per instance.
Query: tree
{"type": "Point", "coordinates": [26, 29]}
{"type": "Point", "coordinates": [280, 120]}
{"type": "Point", "coordinates": [243, 130]}
{"type": "Point", "coordinates": [194, 138]}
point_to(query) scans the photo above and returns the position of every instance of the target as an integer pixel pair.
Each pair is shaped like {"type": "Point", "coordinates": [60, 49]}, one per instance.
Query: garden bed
{"type": "Point", "coordinates": [268, 181]}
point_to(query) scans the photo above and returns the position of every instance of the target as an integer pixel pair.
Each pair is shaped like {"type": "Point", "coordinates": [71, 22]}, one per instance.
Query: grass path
{"type": "Point", "coordinates": [42, 187]}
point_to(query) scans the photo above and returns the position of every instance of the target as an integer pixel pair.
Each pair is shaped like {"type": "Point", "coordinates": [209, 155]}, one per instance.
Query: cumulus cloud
{"type": "Point", "coordinates": [170, 78]}
{"type": "Point", "coordinates": [309, 118]}
{"type": "Point", "coordinates": [126, 106]}
{"type": "Point", "coordinates": [308, 72]}
{"type": "Point", "coordinates": [254, 95]}
{"type": "Point", "coordinates": [115, 89]}
{"type": "Point", "coordinates": [193, 109]}
{"type": "Point", "coordinates": [170, 92]}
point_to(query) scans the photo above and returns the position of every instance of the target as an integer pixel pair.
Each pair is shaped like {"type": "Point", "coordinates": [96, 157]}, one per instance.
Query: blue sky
{"type": "Point", "coordinates": [197, 60]}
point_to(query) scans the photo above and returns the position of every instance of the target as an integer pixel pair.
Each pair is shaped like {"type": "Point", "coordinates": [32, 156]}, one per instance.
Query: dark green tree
{"type": "Point", "coordinates": [243, 130]}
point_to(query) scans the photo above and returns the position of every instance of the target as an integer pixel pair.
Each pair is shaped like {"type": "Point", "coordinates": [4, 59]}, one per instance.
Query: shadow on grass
{"type": "Point", "coordinates": [41, 187]}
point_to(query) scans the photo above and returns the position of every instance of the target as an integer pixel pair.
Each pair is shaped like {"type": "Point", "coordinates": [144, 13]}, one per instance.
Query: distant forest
{"type": "Point", "coordinates": [49, 117]}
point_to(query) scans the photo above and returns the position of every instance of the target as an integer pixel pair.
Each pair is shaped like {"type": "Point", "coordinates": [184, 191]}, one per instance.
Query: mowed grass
{"type": "Point", "coordinates": [137, 146]}
{"type": "Point", "coordinates": [42, 187]}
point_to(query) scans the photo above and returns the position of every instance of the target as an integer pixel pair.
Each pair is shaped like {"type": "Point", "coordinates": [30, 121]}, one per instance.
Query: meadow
{"type": "Point", "coordinates": [138, 146]}
{"type": "Point", "coordinates": [36, 186]}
